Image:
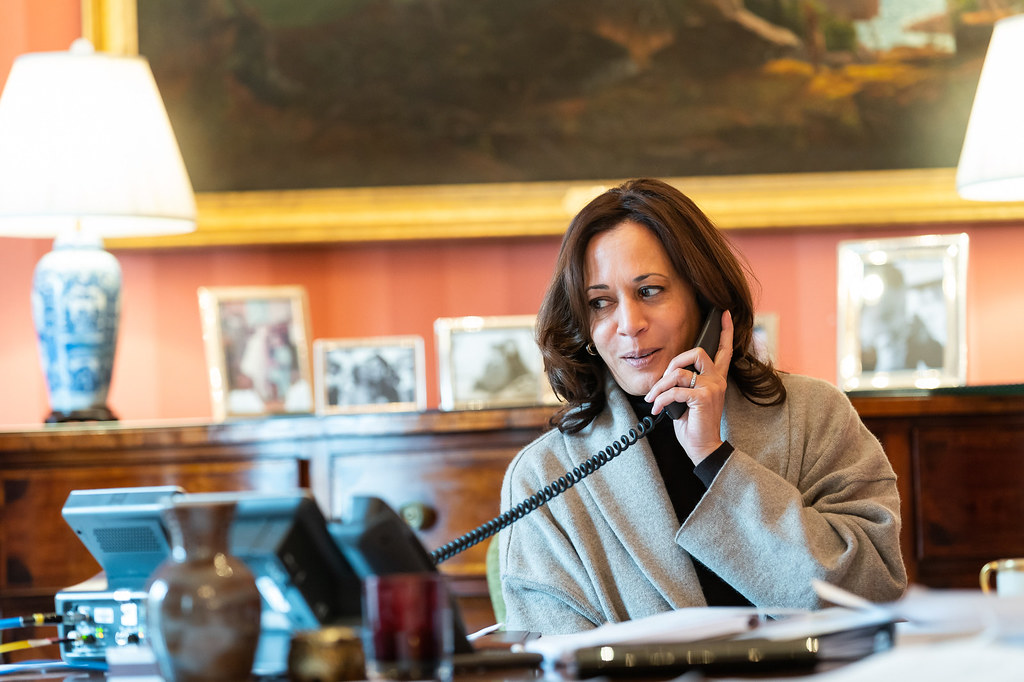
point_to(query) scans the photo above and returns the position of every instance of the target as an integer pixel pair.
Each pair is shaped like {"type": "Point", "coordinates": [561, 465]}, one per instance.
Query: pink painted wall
{"type": "Point", "coordinates": [382, 289]}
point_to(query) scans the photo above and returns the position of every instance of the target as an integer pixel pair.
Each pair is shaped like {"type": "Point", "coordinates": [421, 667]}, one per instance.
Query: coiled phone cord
{"type": "Point", "coordinates": [548, 493]}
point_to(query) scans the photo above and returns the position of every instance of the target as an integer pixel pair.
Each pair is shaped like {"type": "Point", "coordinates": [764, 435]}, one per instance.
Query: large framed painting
{"type": "Point", "coordinates": [374, 119]}
{"type": "Point", "coordinates": [902, 312]}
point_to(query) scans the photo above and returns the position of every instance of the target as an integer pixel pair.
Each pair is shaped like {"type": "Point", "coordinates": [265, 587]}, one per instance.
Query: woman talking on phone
{"type": "Point", "coordinates": [767, 481]}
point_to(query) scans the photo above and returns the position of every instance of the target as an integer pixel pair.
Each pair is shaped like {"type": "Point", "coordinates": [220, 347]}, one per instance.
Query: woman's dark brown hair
{"type": "Point", "coordinates": [700, 254]}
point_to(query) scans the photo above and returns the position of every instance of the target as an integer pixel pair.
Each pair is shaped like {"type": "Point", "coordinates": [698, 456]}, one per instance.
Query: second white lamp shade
{"type": "Point", "coordinates": [991, 164]}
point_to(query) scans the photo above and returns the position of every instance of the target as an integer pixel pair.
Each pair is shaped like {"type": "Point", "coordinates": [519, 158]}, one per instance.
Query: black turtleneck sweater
{"type": "Point", "coordinates": [686, 485]}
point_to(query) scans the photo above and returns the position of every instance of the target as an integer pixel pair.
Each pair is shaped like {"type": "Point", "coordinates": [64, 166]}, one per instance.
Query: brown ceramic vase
{"type": "Point", "coordinates": [203, 610]}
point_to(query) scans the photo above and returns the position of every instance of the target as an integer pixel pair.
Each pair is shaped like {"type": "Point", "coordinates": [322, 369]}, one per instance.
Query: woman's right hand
{"type": "Point", "coordinates": [703, 391]}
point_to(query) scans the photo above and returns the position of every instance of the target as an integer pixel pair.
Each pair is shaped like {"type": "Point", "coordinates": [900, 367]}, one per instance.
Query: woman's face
{"type": "Point", "coordinates": [642, 313]}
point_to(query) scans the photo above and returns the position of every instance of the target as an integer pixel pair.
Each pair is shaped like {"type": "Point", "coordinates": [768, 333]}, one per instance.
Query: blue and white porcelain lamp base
{"type": "Point", "coordinates": [86, 151]}
{"type": "Point", "coordinates": [76, 304]}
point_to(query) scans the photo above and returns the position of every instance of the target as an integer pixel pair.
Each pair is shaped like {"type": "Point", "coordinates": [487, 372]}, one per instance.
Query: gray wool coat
{"type": "Point", "coordinates": [807, 493]}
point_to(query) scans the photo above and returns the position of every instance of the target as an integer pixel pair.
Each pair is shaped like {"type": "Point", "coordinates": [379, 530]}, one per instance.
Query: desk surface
{"type": "Point", "coordinates": [960, 659]}
{"type": "Point", "coordinates": [506, 674]}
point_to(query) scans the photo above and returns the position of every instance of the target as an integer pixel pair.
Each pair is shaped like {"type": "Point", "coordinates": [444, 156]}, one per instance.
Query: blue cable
{"type": "Point", "coordinates": [11, 668]}
{"type": "Point", "coordinates": [36, 619]}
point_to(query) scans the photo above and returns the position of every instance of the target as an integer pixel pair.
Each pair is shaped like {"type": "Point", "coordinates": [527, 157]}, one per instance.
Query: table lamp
{"type": "Point", "coordinates": [86, 152]}
{"type": "Point", "coordinates": [991, 164]}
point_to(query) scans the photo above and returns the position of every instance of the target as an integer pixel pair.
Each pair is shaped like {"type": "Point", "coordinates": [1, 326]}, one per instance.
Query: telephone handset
{"type": "Point", "coordinates": [708, 339]}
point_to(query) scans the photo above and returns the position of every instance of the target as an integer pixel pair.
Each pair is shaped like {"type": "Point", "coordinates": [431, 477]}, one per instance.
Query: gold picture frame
{"type": "Point", "coordinates": [374, 374]}
{"type": "Point", "coordinates": [847, 200]}
{"type": "Point", "coordinates": [257, 350]}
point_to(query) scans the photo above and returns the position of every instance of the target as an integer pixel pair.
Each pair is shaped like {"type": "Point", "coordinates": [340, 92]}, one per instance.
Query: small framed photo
{"type": "Point", "coordinates": [902, 312]}
{"type": "Point", "coordinates": [766, 336]}
{"type": "Point", "coordinates": [257, 350]}
{"type": "Point", "coordinates": [490, 362]}
{"type": "Point", "coordinates": [379, 374]}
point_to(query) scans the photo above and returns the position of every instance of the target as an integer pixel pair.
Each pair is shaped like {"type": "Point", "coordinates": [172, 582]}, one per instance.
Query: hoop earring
{"type": "Point", "coordinates": [590, 349]}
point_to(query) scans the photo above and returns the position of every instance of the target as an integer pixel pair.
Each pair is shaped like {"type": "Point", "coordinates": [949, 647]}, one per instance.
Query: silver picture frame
{"type": "Point", "coordinates": [766, 336]}
{"type": "Point", "coordinates": [486, 362]}
{"type": "Point", "coordinates": [901, 320]}
{"type": "Point", "coordinates": [372, 374]}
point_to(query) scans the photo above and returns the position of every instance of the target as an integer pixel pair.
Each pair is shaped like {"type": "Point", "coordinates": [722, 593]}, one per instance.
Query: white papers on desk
{"type": "Point", "coordinates": [945, 611]}
{"type": "Point", "coordinates": [700, 623]}
{"type": "Point", "coordinates": [948, 636]}
{"type": "Point", "coordinates": [952, 661]}
{"type": "Point", "coordinates": [828, 621]}
{"type": "Point", "coordinates": [681, 625]}
{"type": "Point", "coordinates": [963, 611]}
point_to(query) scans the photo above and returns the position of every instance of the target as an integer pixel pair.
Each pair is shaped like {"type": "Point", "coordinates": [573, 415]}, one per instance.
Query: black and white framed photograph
{"type": "Point", "coordinates": [376, 374]}
{"type": "Point", "coordinates": [490, 362]}
{"type": "Point", "coordinates": [257, 350]}
{"type": "Point", "coordinates": [902, 312]}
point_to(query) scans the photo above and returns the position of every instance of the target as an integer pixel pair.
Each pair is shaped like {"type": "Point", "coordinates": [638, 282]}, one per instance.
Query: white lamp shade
{"type": "Point", "coordinates": [991, 164]}
{"type": "Point", "coordinates": [85, 143]}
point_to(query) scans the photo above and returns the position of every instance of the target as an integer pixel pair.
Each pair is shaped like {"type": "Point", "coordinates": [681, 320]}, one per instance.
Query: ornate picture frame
{"type": "Point", "coordinates": [902, 312]}
{"type": "Point", "coordinates": [257, 350]}
{"type": "Point", "coordinates": [486, 362]}
{"type": "Point", "coordinates": [373, 374]}
{"type": "Point", "coordinates": [848, 199]}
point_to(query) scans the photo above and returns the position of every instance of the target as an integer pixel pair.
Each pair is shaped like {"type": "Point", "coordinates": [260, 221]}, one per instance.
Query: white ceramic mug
{"type": "Point", "coordinates": [1007, 574]}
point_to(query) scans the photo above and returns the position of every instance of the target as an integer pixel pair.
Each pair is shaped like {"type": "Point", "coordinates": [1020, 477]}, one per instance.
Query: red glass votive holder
{"type": "Point", "coordinates": [408, 629]}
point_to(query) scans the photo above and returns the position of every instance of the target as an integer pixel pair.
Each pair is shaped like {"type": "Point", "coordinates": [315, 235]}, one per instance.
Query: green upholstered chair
{"type": "Point", "coordinates": [494, 580]}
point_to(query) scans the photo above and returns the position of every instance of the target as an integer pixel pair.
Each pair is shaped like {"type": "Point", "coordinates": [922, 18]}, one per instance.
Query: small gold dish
{"type": "Point", "coordinates": [330, 654]}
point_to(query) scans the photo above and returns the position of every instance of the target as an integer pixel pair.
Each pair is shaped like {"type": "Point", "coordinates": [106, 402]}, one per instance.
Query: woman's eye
{"type": "Point", "coordinates": [647, 292]}
{"type": "Point", "coordinates": [598, 303]}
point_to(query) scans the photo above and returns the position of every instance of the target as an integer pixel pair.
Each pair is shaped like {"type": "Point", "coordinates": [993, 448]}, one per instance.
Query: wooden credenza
{"type": "Point", "coordinates": [959, 457]}
{"type": "Point", "coordinates": [441, 470]}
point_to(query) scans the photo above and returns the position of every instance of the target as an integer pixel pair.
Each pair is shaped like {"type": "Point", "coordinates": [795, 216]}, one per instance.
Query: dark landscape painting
{"type": "Point", "coordinates": [278, 94]}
